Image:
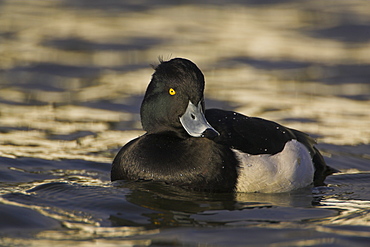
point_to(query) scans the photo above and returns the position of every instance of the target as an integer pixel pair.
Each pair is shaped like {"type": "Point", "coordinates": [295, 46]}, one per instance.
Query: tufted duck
{"type": "Point", "coordinates": [213, 150]}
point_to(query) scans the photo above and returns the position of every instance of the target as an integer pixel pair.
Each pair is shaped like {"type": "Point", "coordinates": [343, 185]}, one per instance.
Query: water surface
{"type": "Point", "coordinates": [72, 77]}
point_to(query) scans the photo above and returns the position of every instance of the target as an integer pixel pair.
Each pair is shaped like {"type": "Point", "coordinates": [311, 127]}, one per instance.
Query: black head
{"type": "Point", "coordinates": [175, 93]}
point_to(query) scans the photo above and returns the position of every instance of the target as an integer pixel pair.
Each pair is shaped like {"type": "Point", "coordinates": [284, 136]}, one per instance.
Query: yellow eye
{"type": "Point", "coordinates": [172, 91]}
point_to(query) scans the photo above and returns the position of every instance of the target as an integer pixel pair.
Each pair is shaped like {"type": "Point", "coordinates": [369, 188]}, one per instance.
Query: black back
{"type": "Point", "coordinates": [248, 134]}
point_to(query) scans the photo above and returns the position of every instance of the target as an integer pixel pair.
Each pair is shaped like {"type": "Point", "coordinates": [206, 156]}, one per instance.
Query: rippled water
{"type": "Point", "coordinates": [72, 77]}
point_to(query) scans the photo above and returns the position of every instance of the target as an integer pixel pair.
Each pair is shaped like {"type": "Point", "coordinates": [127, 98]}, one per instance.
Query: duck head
{"type": "Point", "coordinates": [174, 101]}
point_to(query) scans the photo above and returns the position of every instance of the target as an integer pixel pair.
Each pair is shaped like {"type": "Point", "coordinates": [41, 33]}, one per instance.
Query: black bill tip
{"type": "Point", "coordinates": [210, 133]}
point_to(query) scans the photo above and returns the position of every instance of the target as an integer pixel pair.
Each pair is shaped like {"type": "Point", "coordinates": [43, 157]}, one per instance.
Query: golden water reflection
{"type": "Point", "coordinates": [275, 62]}
{"type": "Point", "coordinates": [73, 73]}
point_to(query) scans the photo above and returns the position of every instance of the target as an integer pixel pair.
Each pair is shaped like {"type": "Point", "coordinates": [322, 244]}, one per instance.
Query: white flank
{"type": "Point", "coordinates": [288, 170]}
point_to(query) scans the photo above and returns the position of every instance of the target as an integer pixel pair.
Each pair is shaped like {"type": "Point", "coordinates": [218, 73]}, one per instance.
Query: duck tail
{"type": "Point", "coordinates": [322, 170]}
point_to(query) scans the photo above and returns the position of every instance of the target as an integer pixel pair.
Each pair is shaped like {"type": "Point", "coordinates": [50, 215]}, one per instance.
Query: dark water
{"type": "Point", "coordinates": [72, 200]}
{"type": "Point", "coordinates": [72, 77]}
